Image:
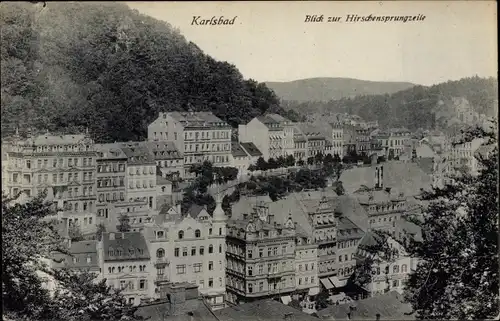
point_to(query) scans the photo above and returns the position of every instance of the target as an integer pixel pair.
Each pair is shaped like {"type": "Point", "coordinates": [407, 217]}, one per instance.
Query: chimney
{"type": "Point", "coordinates": [111, 236]}
{"type": "Point", "coordinates": [377, 316]}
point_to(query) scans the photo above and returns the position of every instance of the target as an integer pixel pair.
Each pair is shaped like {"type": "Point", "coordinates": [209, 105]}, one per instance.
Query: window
{"type": "Point", "coordinates": [193, 251]}
{"type": "Point", "coordinates": [211, 283]}
{"type": "Point", "coordinates": [181, 235]}
{"type": "Point", "coordinates": [269, 252]}
{"type": "Point", "coordinates": [202, 250]}
{"type": "Point", "coordinates": [395, 269]}
{"type": "Point", "coordinates": [210, 265]}
{"type": "Point", "coordinates": [250, 288]}
{"type": "Point", "coordinates": [250, 271]}
{"type": "Point", "coordinates": [181, 269]}
{"type": "Point", "coordinates": [210, 231]}
{"type": "Point", "coordinates": [142, 284]}
{"type": "Point", "coordinates": [176, 252]}
{"type": "Point", "coordinates": [220, 230]}
{"type": "Point", "coordinates": [404, 268]}
{"type": "Point", "coordinates": [197, 267]}
{"type": "Point", "coordinates": [220, 248]}
{"type": "Point", "coordinates": [197, 233]}
{"type": "Point", "coordinates": [249, 254]}
{"type": "Point", "coordinates": [261, 252]}
{"type": "Point", "coordinates": [184, 251]}
{"type": "Point", "coordinates": [283, 249]}
{"type": "Point", "coordinates": [395, 283]}
{"type": "Point", "coordinates": [210, 249]}
{"type": "Point", "coordinates": [340, 258]}
{"type": "Point", "coordinates": [160, 253]}
{"type": "Point", "coordinates": [261, 268]}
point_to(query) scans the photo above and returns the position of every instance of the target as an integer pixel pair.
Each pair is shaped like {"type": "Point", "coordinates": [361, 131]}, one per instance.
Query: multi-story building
{"type": "Point", "coordinates": [125, 264]}
{"type": "Point", "coordinates": [316, 141]}
{"type": "Point", "coordinates": [168, 159]}
{"type": "Point", "coordinates": [394, 141]}
{"type": "Point", "coordinates": [141, 174]}
{"type": "Point", "coordinates": [300, 143]}
{"type": "Point", "coordinates": [199, 136]}
{"type": "Point", "coordinates": [64, 166]}
{"type": "Point", "coordinates": [337, 139]}
{"type": "Point", "coordinates": [272, 134]}
{"type": "Point", "coordinates": [81, 256]}
{"type": "Point", "coordinates": [362, 140]}
{"type": "Point", "coordinates": [350, 139]}
{"type": "Point", "coordinates": [306, 264]}
{"type": "Point", "coordinates": [111, 178]}
{"type": "Point", "coordinates": [240, 159]}
{"type": "Point", "coordinates": [190, 248]}
{"type": "Point", "coordinates": [463, 155]}
{"type": "Point", "coordinates": [260, 259]}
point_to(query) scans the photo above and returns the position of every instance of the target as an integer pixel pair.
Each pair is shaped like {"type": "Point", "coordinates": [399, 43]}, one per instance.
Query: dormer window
{"type": "Point", "coordinates": [111, 252]}
{"type": "Point", "coordinates": [181, 235]}
{"type": "Point", "coordinates": [160, 234]}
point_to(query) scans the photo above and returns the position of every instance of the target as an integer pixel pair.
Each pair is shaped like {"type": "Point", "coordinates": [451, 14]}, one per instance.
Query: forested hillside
{"type": "Point", "coordinates": [412, 108]}
{"type": "Point", "coordinates": [325, 89]}
{"type": "Point", "coordinates": [109, 68]}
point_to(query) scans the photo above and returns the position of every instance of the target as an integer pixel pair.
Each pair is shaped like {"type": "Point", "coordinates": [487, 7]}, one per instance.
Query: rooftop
{"type": "Point", "coordinates": [162, 150]}
{"type": "Point", "coordinates": [251, 149]}
{"type": "Point", "coordinates": [84, 255]}
{"type": "Point", "coordinates": [390, 306]}
{"type": "Point", "coordinates": [262, 310]}
{"type": "Point", "coordinates": [198, 119]}
{"type": "Point", "coordinates": [132, 245]}
{"type": "Point", "coordinates": [137, 154]}
{"type": "Point", "coordinates": [237, 150]}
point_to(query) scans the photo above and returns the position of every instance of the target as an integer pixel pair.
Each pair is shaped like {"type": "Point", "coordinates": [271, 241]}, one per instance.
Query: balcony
{"type": "Point", "coordinates": [162, 261]}
{"type": "Point", "coordinates": [161, 278]}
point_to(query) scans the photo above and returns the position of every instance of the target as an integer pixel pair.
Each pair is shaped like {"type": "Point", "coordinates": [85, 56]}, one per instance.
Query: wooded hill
{"type": "Point", "coordinates": [329, 88]}
{"type": "Point", "coordinates": [68, 66]}
{"type": "Point", "coordinates": [412, 108]}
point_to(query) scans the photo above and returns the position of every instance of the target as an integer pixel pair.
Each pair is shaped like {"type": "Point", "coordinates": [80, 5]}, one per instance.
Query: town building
{"type": "Point", "coordinates": [316, 141]}
{"type": "Point", "coordinates": [394, 141]}
{"type": "Point", "coordinates": [141, 174]}
{"type": "Point", "coordinates": [82, 257]}
{"type": "Point", "coordinates": [272, 134]}
{"type": "Point", "coordinates": [260, 254]}
{"type": "Point", "coordinates": [198, 136]}
{"type": "Point", "coordinates": [337, 139]}
{"type": "Point", "coordinates": [350, 139]}
{"type": "Point", "coordinates": [363, 140]}
{"type": "Point", "coordinates": [190, 248]}
{"type": "Point", "coordinates": [168, 158]}
{"type": "Point", "coordinates": [126, 264]}
{"type": "Point", "coordinates": [306, 264]}
{"type": "Point", "coordinates": [300, 145]}
{"type": "Point", "coordinates": [62, 165]}
{"type": "Point", "coordinates": [111, 178]}
{"type": "Point", "coordinates": [240, 159]}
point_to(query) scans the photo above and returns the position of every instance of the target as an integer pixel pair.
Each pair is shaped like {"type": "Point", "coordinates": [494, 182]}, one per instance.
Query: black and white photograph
{"type": "Point", "coordinates": [249, 160]}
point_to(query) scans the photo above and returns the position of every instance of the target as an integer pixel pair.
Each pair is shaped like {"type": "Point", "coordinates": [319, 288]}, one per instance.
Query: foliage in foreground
{"type": "Point", "coordinates": [29, 238]}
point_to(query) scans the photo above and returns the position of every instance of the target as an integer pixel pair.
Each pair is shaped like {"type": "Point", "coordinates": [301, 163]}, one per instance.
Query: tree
{"type": "Point", "coordinates": [290, 161]}
{"type": "Point", "coordinates": [339, 188]}
{"type": "Point", "coordinates": [74, 233]}
{"type": "Point", "coordinates": [124, 223]}
{"type": "Point", "coordinates": [261, 164]}
{"type": "Point", "coordinates": [100, 230]}
{"type": "Point", "coordinates": [271, 163]}
{"type": "Point", "coordinates": [337, 159]}
{"type": "Point", "coordinates": [310, 160]}
{"type": "Point", "coordinates": [280, 162]}
{"type": "Point", "coordinates": [458, 274]}
{"type": "Point", "coordinates": [328, 159]}
{"type": "Point", "coordinates": [300, 162]}
{"type": "Point", "coordinates": [318, 158]}
{"type": "Point", "coordinates": [322, 300]}
{"type": "Point", "coordinates": [24, 294]}
{"type": "Point", "coordinates": [252, 168]}
{"type": "Point", "coordinates": [295, 304]}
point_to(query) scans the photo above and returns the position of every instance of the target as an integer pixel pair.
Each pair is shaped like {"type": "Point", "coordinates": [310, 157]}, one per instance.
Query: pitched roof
{"type": "Point", "coordinates": [195, 310]}
{"type": "Point", "coordinates": [237, 150]}
{"type": "Point", "coordinates": [251, 149]}
{"type": "Point", "coordinates": [137, 154]}
{"type": "Point", "coordinates": [310, 131]}
{"type": "Point", "coordinates": [132, 244]}
{"type": "Point", "coordinates": [350, 208]}
{"type": "Point", "coordinates": [162, 180]}
{"type": "Point", "coordinates": [202, 118]}
{"type": "Point", "coordinates": [262, 310]}
{"type": "Point", "coordinates": [348, 230]}
{"type": "Point", "coordinates": [83, 255]}
{"type": "Point", "coordinates": [390, 306]}
{"type": "Point", "coordinates": [49, 139]}
{"type": "Point", "coordinates": [162, 150]}
{"type": "Point", "coordinates": [195, 210]}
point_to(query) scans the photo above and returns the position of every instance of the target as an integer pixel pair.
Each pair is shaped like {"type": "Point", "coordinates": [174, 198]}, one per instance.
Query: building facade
{"type": "Point", "coordinates": [62, 165]}
{"type": "Point", "coordinates": [199, 136]}
{"type": "Point", "coordinates": [337, 139]}
{"type": "Point", "coordinates": [190, 248]}
{"type": "Point", "coordinates": [260, 257]}
{"type": "Point", "coordinates": [125, 264]}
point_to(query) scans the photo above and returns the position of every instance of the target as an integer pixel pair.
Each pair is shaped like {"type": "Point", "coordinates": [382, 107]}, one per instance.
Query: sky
{"type": "Point", "coordinates": [271, 42]}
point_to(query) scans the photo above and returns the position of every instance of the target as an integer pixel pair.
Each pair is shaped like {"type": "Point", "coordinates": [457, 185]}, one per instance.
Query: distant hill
{"type": "Point", "coordinates": [325, 89]}
{"type": "Point", "coordinates": [413, 108]}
